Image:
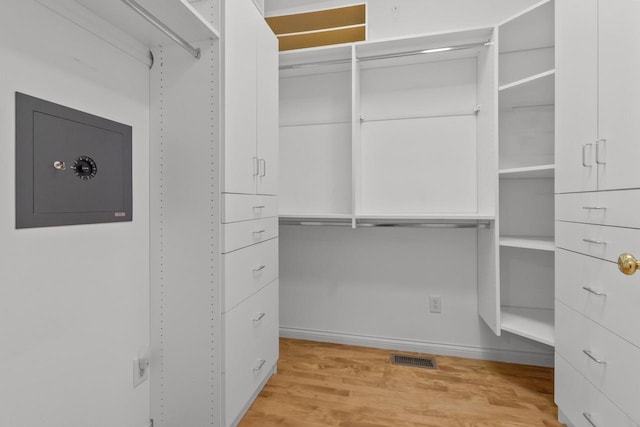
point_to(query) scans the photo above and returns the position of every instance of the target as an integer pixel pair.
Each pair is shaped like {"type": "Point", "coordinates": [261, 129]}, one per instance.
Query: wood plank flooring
{"type": "Point", "coordinates": [320, 384]}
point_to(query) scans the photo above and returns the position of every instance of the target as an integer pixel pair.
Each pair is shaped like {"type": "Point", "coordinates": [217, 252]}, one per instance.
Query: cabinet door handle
{"type": "Point", "coordinates": [594, 208]}
{"type": "Point", "coordinates": [262, 267]}
{"type": "Point", "coordinates": [584, 155]}
{"type": "Point", "coordinates": [587, 416]}
{"type": "Point", "coordinates": [598, 161]}
{"type": "Point", "coordinates": [259, 318]}
{"type": "Point", "coordinates": [260, 366]}
{"type": "Point", "coordinates": [256, 166]}
{"type": "Point", "coordinates": [594, 292]}
{"type": "Point", "coordinates": [592, 357]}
{"type": "Point", "coordinates": [263, 167]}
{"type": "Point", "coordinates": [595, 242]}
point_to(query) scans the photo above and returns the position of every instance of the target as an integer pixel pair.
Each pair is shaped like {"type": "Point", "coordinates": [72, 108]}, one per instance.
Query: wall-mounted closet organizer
{"type": "Point", "coordinates": [518, 296]}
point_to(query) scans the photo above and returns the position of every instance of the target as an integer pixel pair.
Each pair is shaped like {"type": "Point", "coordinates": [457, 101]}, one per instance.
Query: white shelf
{"type": "Point", "coordinates": [527, 80]}
{"type": "Point", "coordinates": [179, 15]}
{"type": "Point", "coordinates": [534, 323]}
{"type": "Point", "coordinates": [534, 91]}
{"type": "Point", "coordinates": [437, 216]}
{"type": "Point", "coordinates": [527, 242]}
{"type": "Point", "coordinates": [542, 171]}
{"type": "Point", "coordinates": [318, 216]}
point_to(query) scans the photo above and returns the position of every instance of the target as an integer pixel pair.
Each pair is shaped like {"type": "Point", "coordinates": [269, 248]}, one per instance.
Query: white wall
{"type": "Point", "coordinates": [392, 18]}
{"type": "Point", "coordinates": [74, 300]}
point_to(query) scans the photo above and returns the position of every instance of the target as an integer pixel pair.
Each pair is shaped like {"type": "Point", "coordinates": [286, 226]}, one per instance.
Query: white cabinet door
{"type": "Point", "coordinates": [267, 108]}
{"type": "Point", "coordinates": [576, 95]}
{"type": "Point", "coordinates": [241, 162]}
{"type": "Point", "coordinates": [619, 82]}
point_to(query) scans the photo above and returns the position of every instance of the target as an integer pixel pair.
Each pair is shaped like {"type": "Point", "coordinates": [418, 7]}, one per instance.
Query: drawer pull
{"type": "Point", "coordinates": [260, 366]}
{"type": "Point", "coordinates": [262, 267]}
{"type": "Point", "coordinates": [594, 208]}
{"type": "Point", "coordinates": [592, 357]}
{"type": "Point", "coordinates": [263, 206]}
{"type": "Point", "coordinates": [628, 264]}
{"type": "Point", "coordinates": [587, 416]}
{"type": "Point", "coordinates": [594, 292]}
{"type": "Point", "coordinates": [595, 242]}
{"type": "Point", "coordinates": [259, 318]}
{"type": "Point", "coordinates": [259, 232]}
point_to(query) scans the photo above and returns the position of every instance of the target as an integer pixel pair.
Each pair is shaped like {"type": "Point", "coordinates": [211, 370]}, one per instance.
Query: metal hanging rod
{"type": "Point", "coordinates": [473, 112]}
{"type": "Point", "coordinates": [162, 27]}
{"type": "Point", "coordinates": [449, 224]}
{"type": "Point", "coordinates": [385, 56]}
{"type": "Point", "coordinates": [523, 107]}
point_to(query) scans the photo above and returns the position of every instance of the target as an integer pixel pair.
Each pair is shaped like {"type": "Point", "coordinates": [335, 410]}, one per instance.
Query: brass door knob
{"type": "Point", "coordinates": [628, 264]}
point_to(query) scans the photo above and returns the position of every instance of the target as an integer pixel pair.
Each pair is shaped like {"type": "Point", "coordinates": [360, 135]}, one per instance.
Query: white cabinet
{"type": "Point", "coordinates": [250, 106]}
{"type": "Point", "coordinates": [518, 297]}
{"type": "Point", "coordinates": [598, 343]}
{"type": "Point", "coordinates": [597, 94]}
{"type": "Point", "coordinates": [389, 130]}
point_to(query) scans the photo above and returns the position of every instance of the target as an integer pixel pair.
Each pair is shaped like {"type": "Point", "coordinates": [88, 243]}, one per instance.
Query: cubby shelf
{"type": "Point", "coordinates": [534, 323]}
{"type": "Point", "coordinates": [533, 91]}
{"type": "Point", "coordinates": [528, 242]}
{"type": "Point", "coordinates": [541, 171]}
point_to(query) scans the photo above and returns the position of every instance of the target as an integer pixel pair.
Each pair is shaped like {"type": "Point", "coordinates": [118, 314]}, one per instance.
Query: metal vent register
{"type": "Point", "coordinates": [418, 362]}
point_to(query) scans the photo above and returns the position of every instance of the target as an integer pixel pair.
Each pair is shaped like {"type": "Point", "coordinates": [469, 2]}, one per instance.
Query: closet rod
{"type": "Point", "coordinates": [162, 27]}
{"type": "Point", "coordinates": [481, 225]}
{"type": "Point", "coordinates": [385, 56]}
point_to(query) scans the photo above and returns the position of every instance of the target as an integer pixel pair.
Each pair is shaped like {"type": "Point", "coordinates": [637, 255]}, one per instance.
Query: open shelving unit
{"type": "Point", "coordinates": [522, 298]}
{"type": "Point", "coordinates": [348, 108]}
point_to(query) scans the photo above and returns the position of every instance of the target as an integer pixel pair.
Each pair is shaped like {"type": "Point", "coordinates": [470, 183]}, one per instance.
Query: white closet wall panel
{"type": "Point", "coordinates": [526, 208]}
{"type": "Point", "coordinates": [527, 278]}
{"type": "Point", "coordinates": [527, 137]}
{"type": "Point", "coordinates": [74, 300]}
{"type": "Point", "coordinates": [413, 90]}
{"type": "Point", "coordinates": [315, 171]}
{"type": "Point", "coordinates": [405, 162]}
{"type": "Point", "coordinates": [315, 98]}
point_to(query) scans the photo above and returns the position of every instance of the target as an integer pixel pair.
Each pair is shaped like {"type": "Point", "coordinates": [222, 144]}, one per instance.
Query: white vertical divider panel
{"type": "Point", "coordinates": [185, 238]}
{"type": "Point", "coordinates": [356, 136]}
{"type": "Point", "coordinates": [488, 243]}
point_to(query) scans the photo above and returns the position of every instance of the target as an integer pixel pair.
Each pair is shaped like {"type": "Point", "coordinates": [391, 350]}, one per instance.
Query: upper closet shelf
{"type": "Point", "coordinates": [134, 17]}
{"type": "Point", "coordinates": [534, 91]}
{"type": "Point", "coordinates": [541, 171]}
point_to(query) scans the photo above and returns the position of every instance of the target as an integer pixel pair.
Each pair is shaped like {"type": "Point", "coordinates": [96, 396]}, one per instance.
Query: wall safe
{"type": "Point", "coordinates": [71, 167]}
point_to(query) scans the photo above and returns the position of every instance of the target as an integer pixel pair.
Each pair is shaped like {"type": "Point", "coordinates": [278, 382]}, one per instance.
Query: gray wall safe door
{"type": "Point", "coordinates": [71, 167]}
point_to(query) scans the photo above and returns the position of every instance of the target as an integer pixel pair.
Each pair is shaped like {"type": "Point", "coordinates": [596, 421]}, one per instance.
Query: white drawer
{"type": "Point", "coordinates": [616, 372]}
{"type": "Point", "coordinates": [574, 272]}
{"type": "Point", "coordinates": [243, 207]}
{"type": "Point", "coordinates": [617, 208]}
{"type": "Point", "coordinates": [597, 240]}
{"type": "Point", "coordinates": [578, 399]}
{"type": "Point", "coordinates": [248, 270]}
{"type": "Point", "coordinates": [251, 347]}
{"type": "Point", "coordinates": [242, 234]}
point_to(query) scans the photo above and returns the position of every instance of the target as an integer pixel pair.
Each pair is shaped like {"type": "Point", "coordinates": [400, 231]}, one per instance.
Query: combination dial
{"type": "Point", "coordinates": [85, 168]}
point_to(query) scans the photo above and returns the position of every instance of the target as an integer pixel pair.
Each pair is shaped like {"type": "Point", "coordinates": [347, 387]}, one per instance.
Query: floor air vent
{"type": "Point", "coordinates": [418, 362]}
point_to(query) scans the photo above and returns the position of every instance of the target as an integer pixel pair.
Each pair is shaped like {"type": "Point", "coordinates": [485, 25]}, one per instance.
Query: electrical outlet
{"type": "Point", "coordinates": [435, 304]}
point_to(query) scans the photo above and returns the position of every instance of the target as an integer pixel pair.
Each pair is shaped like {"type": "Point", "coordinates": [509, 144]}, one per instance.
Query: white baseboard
{"type": "Point", "coordinates": [499, 355]}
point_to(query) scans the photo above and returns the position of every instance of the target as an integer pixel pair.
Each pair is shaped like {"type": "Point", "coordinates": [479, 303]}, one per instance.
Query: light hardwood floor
{"type": "Point", "coordinates": [320, 384]}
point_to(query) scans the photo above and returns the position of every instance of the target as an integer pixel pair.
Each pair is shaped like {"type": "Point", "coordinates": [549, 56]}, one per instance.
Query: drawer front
{"type": "Point", "coordinates": [251, 347]}
{"type": "Point", "coordinates": [579, 399]}
{"type": "Point", "coordinates": [618, 208]}
{"type": "Point", "coordinates": [610, 298]}
{"type": "Point", "coordinates": [597, 240]}
{"type": "Point", "coordinates": [248, 270]}
{"type": "Point", "coordinates": [616, 372]}
{"type": "Point", "coordinates": [244, 207]}
{"type": "Point", "coordinates": [239, 235]}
